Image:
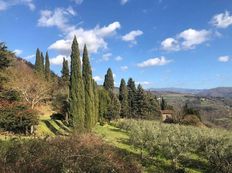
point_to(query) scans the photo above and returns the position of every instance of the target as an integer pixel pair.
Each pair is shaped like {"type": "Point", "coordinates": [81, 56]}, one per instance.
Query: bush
{"type": "Point", "coordinates": [86, 153]}
{"type": "Point", "coordinates": [17, 117]}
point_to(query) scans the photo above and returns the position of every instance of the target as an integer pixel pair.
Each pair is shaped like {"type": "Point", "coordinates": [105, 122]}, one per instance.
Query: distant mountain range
{"type": "Point", "coordinates": [177, 90]}
{"type": "Point", "coordinates": [214, 92]}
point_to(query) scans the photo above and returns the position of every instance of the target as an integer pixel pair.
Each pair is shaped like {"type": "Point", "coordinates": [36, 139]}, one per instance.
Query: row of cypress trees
{"type": "Point", "coordinates": [89, 103]}
{"type": "Point", "coordinates": [83, 97]}
{"type": "Point", "coordinates": [42, 69]}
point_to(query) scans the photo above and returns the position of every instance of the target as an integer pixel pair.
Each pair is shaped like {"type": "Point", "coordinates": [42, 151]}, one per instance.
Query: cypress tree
{"type": "Point", "coordinates": [109, 80]}
{"type": "Point", "coordinates": [38, 62]}
{"type": "Point", "coordinates": [123, 98]}
{"type": "Point", "coordinates": [131, 97]}
{"type": "Point", "coordinates": [88, 90]}
{"type": "Point", "coordinates": [163, 104]}
{"type": "Point", "coordinates": [104, 101]}
{"type": "Point", "coordinates": [65, 72]}
{"type": "Point", "coordinates": [96, 102]}
{"type": "Point", "coordinates": [47, 68]}
{"type": "Point", "coordinates": [114, 107]}
{"type": "Point", "coordinates": [42, 62]}
{"type": "Point", "coordinates": [141, 103]}
{"type": "Point", "coordinates": [77, 102]}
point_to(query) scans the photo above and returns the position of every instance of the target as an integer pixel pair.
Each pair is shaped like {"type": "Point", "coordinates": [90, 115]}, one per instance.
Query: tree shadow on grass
{"type": "Point", "coordinates": [50, 126]}
{"type": "Point", "coordinates": [62, 126]}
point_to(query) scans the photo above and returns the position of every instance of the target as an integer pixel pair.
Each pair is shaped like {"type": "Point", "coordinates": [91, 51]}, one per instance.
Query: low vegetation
{"type": "Point", "coordinates": [212, 147]}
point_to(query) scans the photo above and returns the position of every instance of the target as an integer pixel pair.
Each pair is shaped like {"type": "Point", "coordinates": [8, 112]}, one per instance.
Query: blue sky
{"type": "Point", "coordinates": [160, 43]}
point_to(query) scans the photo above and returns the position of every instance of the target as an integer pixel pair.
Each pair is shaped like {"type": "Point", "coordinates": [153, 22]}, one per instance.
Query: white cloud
{"type": "Point", "coordinates": [106, 57]}
{"type": "Point", "coordinates": [192, 38]}
{"type": "Point", "coordinates": [123, 2]}
{"type": "Point", "coordinates": [222, 20]}
{"type": "Point", "coordinates": [58, 60]}
{"type": "Point", "coordinates": [118, 58]}
{"type": "Point", "coordinates": [154, 62]}
{"type": "Point", "coordinates": [95, 38]}
{"type": "Point", "coordinates": [18, 52]}
{"type": "Point", "coordinates": [131, 36]}
{"type": "Point", "coordinates": [98, 78]}
{"type": "Point", "coordinates": [4, 5]}
{"type": "Point", "coordinates": [124, 68]}
{"type": "Point", "coordinates": [188, 39]}
{"type": "Point", "coordinates": [170, 44]}
{"type": "Point", "coordinates": [223, 58]}
{"type": "Point", "coordinates": [29, 56]}
{"type": "Point", "coordinates": [58, 18]}
{"type": "Point", "coordinates": [78, 1]}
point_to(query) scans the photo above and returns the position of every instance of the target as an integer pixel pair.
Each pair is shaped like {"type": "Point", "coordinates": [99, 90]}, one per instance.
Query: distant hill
{"type": "Point", "coordinates": [225, 92]}
{"type": "Point", "coordinates": [177, 90]}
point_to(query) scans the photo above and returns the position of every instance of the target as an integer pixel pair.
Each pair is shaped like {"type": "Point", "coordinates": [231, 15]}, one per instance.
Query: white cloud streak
{"type": "Point", "coordinates": [222, 20]}
{"type": "Point", "coordinates": [223, 58]}
{"type": "Point", "coordinates": [4, 5]}
{"type": "Point", "coordinates": [131, 36]}
{"type": "Point", "coordinates": [159, 61]}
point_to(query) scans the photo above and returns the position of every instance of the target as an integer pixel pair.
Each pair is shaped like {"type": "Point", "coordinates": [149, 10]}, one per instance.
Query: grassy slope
{"type": "Point", "coordinates": [112, 135]}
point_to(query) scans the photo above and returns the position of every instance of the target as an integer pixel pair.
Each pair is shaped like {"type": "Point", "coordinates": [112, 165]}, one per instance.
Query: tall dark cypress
{"type": "Point", "coordinates": [131, 97]}
{"type": "Point", "coordinates": [109, 80]}
{"type": "Point", "coordinates": [47, 68]}
{"type": "Point", "coordinates": [38, 62]}
{"type": "Point", "coordinates": [123, 98]}
{"type": "Point", "coordinates": [42, 62]}
{"type": "Point", "coordinates": [96, 102]}
{"type": "Point", "coordinates": [141, 103]}
{"type": "Point", "coordinates": [77, 102]}
{"type": "Point", "coordinates": [88, 90]}
{"type": "Point", "coordinates": [65, 72]}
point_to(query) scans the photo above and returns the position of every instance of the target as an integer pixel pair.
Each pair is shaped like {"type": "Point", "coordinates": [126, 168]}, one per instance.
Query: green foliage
{"type": "Point", "coordinates": [88, 91]}
{"type": "Point", "coordinates": [65, 73]}
{"type": "Point", "coordinates": [82, 153]}
{"type": "Point", "coordinates": [96, 103]}
{"type": "Point", "coordinates": [104, 101]}
{"type": "Point", "coordinates": [16, 117]}
{"type": "Point", "coordinates": [131, 98]}
{"type": "Point", "coordinates": [39, 66]}
{"type": "Point", "coordinates": [175, 142]}
{"type": "Point", "coordinates": [123, 98]}
{"type": "Point", "coordinates": [163, 104]}
{"type": "Point", "coordinates": [47, 68]}
{"type": "Point", "coordinates": [114, 107]}
{"type": "Point", "coordinates": [109, 80]}
{"type": "Point", "coordinates": [77, 96]}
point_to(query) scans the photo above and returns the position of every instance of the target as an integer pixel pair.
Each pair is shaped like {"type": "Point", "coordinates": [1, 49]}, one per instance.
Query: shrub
{"type": "Point", "coordinates": [86, 153]}
{"type": "Point", "coordinates": [17, 117]}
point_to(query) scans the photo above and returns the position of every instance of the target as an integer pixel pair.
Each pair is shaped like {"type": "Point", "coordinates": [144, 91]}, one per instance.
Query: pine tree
{"type": "Point", "coordinates": [77, 102]}
{"type": "Point", "coordinates": [88, 90]}
{"type": "Point", "coordinates": [123, 98]}
{"type": "Point", "coordinates": [65, 72]}
{"type": "Point", "coordinates": [47, 68]}
{"type": "Point", "coordinates": [131, 97]}
{"type": "Point", "coordinates": [109, 80]}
